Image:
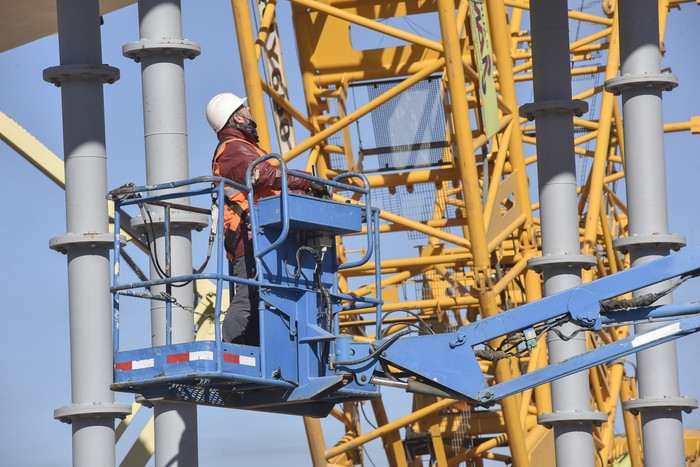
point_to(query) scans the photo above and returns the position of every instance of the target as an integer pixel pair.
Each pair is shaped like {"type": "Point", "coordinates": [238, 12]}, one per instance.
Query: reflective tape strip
{"type": "Point", "coordinates": [190, 356]}
{"type": "Point", "coordinates": [178, 357]}
{"type": "Point", "coordinates": [134, 364]}
{"type": "Point", "coordinates": [658, 333]}
{"type": "Point", "coordinates": [239, 359]}
{"type": "Point", "coordinates": [202, 355]}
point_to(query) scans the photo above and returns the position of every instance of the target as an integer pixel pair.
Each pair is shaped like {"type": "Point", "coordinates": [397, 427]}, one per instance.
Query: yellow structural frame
{"type": "Point", "coordinates": [499, 221]}
{"type": "Point", "coordinates": [481, 255]}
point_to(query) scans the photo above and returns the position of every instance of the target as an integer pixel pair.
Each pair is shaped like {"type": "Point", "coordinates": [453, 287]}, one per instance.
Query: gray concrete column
{"type": "Point", "coordinates": [561, 259]}
{"type": "Point", "coordinates": [161, 52]}
{"type": "Point", "coordinates": [81, 77]}
{"type": "Point", "coordinates": [641, 83]}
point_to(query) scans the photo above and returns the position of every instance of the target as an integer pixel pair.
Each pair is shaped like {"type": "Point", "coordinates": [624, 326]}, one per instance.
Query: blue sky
{"type": "Point", "coordinates": [34, 350]}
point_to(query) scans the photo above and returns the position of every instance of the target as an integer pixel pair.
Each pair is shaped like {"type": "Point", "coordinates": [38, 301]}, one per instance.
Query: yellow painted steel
{"type": "Point", "coordinates": [392, 442]}
{"type": "Point", "coordinates": [483, 227]}
{"type": "Point", "coordinates": [317, 445]}
{"type": "Point", "coordinates": [253, 88]}
{"type": "Point", "coordinates": [143, 448]}
{"type": "Point", "coordinates": [389, 427]}
{"type": "Point", "coordinates": [32, 150]}
{"type": "Point", "coordinates": [606, 216]}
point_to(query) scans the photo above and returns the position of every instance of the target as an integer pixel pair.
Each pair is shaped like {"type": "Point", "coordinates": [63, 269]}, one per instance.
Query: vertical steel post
{"type": "Point", "coordinates": [466, 163]}
{"type": "Point", "coordinates": [561, 259]}
{"type": "Point", "coordinates": [81, 76]}
{"type": "Point", "coordinates": [161, 52]}
{"type": "Point", "coordinates": [249, 64]}
{"type": "Point", "coordinates": [641, 83]}
{"type": "Point", "coordinates": [500, 39]}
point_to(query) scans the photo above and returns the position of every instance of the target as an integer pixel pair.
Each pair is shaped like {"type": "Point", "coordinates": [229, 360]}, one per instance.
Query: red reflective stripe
{"type": "Point", "coordinates": [232, 358]}
{"type": "Point", "coordinates": [124, 366]}
{"type": "Point", "coordinates": [178, 357]}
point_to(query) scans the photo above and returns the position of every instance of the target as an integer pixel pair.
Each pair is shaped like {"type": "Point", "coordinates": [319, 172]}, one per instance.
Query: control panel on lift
{"type": "Point", "coordinates": [304, 365]}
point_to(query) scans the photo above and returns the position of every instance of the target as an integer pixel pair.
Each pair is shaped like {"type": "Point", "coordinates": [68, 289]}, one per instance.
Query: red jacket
{"type": "Point", "coordinates": [233, 163]}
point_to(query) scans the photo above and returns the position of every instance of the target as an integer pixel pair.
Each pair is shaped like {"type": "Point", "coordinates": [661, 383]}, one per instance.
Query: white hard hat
{"type": "Point", "coordinates": [221, 107]}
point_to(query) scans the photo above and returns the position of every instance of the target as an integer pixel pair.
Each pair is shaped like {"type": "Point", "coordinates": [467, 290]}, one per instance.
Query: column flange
{"type": "Point", "coordinates": [540, 263]}
{"type": "Point", "coordinates": [56, 75]}
{"type": "Point", "coordinates": [141, 48]}
{"type": "Point", "coordinates": [178, 219]}
{"type": "Point", "coordinates": [531, 111]}
{"type": "Point", "coordinates": [620, 84]}
{"type": "Point", "coordinates": [576, 417]}
{"type": "Point", "coordinates": [635, 406]}
{"type": "Point", "coordinates": [67, 413]}
{"type": "Point", "coordinates": [661, 241]}
{"type": "Point", "coordinates": [66, 242]}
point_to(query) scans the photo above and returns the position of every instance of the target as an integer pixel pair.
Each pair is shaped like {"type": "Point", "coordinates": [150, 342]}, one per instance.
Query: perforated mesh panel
{"type": "Point", "coordinates": [417, 205]}
{"type": "Point", "coordinates": [409, 130]}
{"type": "Point", "coordinates": [198, 395]}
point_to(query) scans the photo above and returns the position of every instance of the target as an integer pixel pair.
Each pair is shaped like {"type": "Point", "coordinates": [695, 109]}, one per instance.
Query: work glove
{"type": "Point", "coordinates": [319, 190]}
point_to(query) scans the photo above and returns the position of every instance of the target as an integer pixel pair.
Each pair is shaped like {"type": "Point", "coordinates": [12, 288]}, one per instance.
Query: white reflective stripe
{"type": "Point", "coordinates": [139, 364]}
{"type": "Point", "coordinates": [659, 333]}
{"type": "Point", "coordinates": [202, 355]}
{"type": "Point", "coordinates": [248, 361]}
{"type": "Point", "coordinates": [230, 191]}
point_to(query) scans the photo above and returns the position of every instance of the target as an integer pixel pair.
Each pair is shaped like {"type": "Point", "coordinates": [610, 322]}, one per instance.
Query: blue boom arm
{"type": "Point", "coordinates": [447, 362]}
{"type": "Point", "coordinates": [304, 364]}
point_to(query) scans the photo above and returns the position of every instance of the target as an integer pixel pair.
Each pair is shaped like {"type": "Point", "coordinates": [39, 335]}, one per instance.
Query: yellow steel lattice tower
{"type": "Point", "coordinates": [392, 89]}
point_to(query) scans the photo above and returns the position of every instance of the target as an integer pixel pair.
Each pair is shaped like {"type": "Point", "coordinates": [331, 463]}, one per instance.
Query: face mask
{"type": "Point", "coordinates": [251, 127]}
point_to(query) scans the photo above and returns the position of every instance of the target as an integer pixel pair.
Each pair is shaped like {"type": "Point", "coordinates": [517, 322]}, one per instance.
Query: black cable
{"type": "Point", "coordinates": [149, 225]}
{"type": "Point", "coordinates": [326, 302]}
{"type": "Point", "coordinates": [378, 350]}
{"type": "Point", "coordinates": [212, 234]}
{"type": "Point", "coordinates": [153, 254]}
{"type": "Point", "coordinates": [134, 267]}
{"type": "Point", "coordinates": [299, 252]}
{"type": "Point", "coordinates": [564, 337]}
{"type": "Point", "coordinates": [405, 323]}
{"type": "Point", "coordinates": [412, 313]}
{"type": "Point", "coordinates": [512, 342]}
{"type": "Point", "coordinates": [519, 338]}
{"type": "Point", "coordinates": [292, 274]}
{"type": "Point", "coordinates": [277, 374]}
{"type": "Point", "coordinates": [367, 454]}
{"type": "Point", "coordinates": [491, 355]}
{"type": "Point", "coordinates": [362, 409]}
{"type": "Point", "coordinates": [328, 305]}
{"type": "Point", "coordinates": [643, 300]}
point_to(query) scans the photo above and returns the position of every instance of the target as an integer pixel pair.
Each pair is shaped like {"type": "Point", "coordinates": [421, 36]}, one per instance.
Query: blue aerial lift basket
{"type": "Point", "coordinates": [299, 303]}
{"type": "Point", "coordinates": [304, 365]}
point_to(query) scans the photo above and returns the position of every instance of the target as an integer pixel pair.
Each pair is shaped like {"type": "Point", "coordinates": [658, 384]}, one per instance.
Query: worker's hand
{"type": "Point", "coordinates": [320, 190]}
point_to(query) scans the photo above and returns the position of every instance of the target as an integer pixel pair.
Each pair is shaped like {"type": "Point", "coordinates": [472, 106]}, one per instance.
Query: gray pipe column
{"type": "Point", "coordinates": [561, 260]}
{"type": "Point", "coordinates": [641, 83]}
{"type": "Point", "coordinates": [161, 52]}
{"type": "Point", "coordinates": [81, 77]}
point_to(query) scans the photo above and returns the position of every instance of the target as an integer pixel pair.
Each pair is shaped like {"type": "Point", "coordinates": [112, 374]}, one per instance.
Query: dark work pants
{"type": "Point", "coordinates": [242, 324]}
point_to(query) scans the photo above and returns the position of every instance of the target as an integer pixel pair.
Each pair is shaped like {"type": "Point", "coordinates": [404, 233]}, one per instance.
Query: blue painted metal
{"type": "Point", "coordinates": [340, 218]}
{"type": "Point", "coordinates": [447, 361]}
{"type": "Point", "coordinates": [284, 206]}
{"type": "Point", "coordinates": [289, 372]}
{"type": "Point", "coordinates": [607, 353]}
{"type": "Point", "coordinates": [168, 273]}
{"type": "Point", "coordinates": [374, 224]}
{"type": "Point", "coordinates": [304, 365]}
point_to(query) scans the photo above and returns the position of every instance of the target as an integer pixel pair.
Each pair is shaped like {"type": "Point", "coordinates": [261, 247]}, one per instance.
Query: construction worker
{"type": "Point", "coordinates": [235, 128]}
